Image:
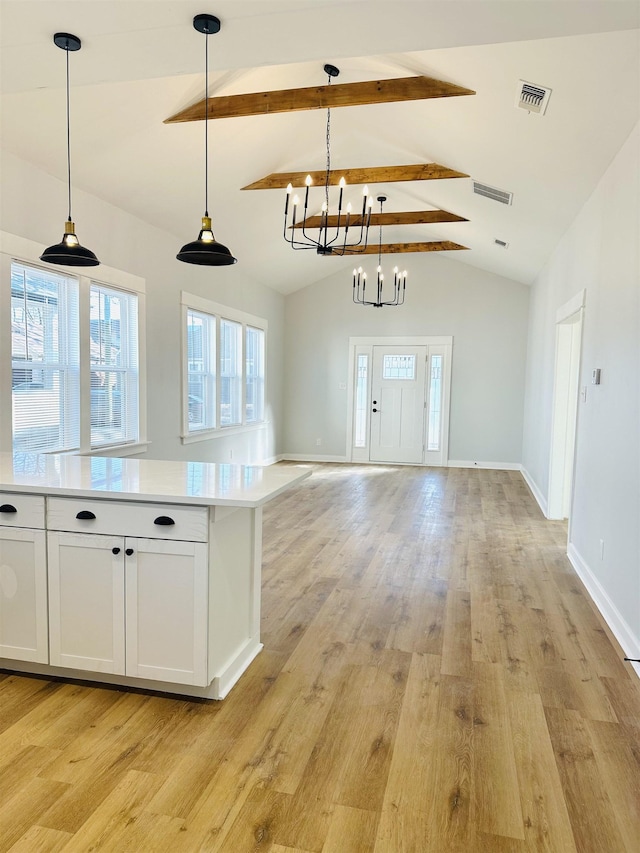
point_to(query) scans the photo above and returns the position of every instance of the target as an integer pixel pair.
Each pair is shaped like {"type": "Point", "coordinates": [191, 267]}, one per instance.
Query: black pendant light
{"type": "Point", "coordinates": [68, 251]}
{"type": "Point", "coordinates": [206, 251]}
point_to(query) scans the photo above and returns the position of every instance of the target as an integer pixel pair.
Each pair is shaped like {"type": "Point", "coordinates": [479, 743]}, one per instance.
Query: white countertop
{"type": "Point", "coordinates": [199, 483]}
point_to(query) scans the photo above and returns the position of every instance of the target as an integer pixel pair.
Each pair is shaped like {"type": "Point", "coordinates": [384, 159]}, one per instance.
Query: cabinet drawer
{"type": "Point", "coordinates": [21, 510]}
{"type": "Point", "coordinates": [124, 518]}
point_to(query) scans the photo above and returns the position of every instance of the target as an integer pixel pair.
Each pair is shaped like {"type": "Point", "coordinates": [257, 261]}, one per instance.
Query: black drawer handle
{"type": "Point", "coordinates": [85, 515]}
{"type": "Point", "coordinates": [115, 550]}
{"type": "Point", "coordinates": [164, 520]}
{"type": "Point", "coordinates": [128, 551]}
{"type": "Point", "coordinates": [8, 508]}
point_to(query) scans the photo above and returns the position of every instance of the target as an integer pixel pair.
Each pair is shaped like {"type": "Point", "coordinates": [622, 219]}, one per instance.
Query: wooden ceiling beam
{"type": "Point", "coordinates": [320, 97]}
{"type": "Point", "coordinates": [403, 217]}
{"type": "Point", "coordinates": [402, 248]}
{"type": "Point", "coordinates": [371, 175]}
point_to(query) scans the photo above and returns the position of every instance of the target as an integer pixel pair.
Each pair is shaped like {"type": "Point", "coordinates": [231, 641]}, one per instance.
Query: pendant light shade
{"type": "Point", "coordinates": [68, 252]}
{"type": "Point", "coordinates": [206, 251]}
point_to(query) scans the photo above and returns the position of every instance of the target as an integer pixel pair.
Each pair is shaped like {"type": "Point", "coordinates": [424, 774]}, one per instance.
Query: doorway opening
{"type": "Point", "coordinates": [565, 408]}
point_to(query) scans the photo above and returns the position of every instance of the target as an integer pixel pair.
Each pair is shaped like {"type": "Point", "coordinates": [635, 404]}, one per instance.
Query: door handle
{"type": "Point", "coordinates": [374, 410]}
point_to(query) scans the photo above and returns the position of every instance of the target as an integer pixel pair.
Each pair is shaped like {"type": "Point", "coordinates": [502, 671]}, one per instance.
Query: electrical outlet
{"type": "Point", "coordinates": [318, 442]}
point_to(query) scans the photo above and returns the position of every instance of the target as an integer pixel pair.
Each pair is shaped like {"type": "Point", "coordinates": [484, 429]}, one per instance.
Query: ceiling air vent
{"type": "Point", "coordinates": [493, 193]}
{"type": "Point", "coordinates": [532, 98]}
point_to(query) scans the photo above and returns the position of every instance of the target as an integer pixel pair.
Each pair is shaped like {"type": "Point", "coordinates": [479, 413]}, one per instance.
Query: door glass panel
{"type": "Point", "coordinates": [435, 403]}
{"type": "Point", "coordinates": [399, 367]}
{"type": "Point", "coordinates": [362, 369]}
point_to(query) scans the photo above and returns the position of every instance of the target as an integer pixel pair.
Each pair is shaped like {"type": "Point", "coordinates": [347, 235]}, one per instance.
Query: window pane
{"type": "Point", "coordinates": [362, 403]}
{"type": "Point", "coordinates": [114, 366]}
{"type": "Point", "coordinates": [201, 371]}
{"type": "Point", "coordinates": [44, 360]}
{"type": "Point", "coordinates": [435, 403]}
{"type": "Point", "coordinates": [230, 373]}
{"type": "Point", "coordinates": [254, 377]}
{"type": "Point", "coordinates": [399, 367]}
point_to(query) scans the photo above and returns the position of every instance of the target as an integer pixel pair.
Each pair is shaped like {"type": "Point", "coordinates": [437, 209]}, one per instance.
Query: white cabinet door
{"type": "Point", "coordinates": [23, 595]}
{"type": "Point", "coordinates": [86, 602]}
{"type": "Point", "coordinates": [167, 607]}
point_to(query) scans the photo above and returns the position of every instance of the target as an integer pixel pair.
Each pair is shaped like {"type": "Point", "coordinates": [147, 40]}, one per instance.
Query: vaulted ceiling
{"type": "Point", "coordinates": [142, 62]}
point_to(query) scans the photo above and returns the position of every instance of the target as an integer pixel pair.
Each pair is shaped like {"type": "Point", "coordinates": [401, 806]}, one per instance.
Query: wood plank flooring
{"type": "Point", "coordinates": [434, 679]}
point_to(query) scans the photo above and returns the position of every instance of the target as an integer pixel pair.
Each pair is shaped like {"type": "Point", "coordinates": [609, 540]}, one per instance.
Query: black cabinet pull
{"type": "Point", "coordinates": [128, 551]}
{"type": "Point", "coordinates": [85, 515]}
{"type": "Point", "coordinates": [8, 508]}
{"type": "Point", "coordinates": [164, 520]}
{"type": "Point", "coordinates": [115, 550]}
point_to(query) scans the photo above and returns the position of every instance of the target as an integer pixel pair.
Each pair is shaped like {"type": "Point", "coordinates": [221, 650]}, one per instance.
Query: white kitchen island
{"type": "Point", "coordinates": [134, 572]}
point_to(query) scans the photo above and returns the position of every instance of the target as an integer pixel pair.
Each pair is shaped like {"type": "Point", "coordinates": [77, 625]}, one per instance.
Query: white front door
{"type": "Point", "coordinates": [398, 404]}
{"type": "Point", "coordinates": [399, 391]}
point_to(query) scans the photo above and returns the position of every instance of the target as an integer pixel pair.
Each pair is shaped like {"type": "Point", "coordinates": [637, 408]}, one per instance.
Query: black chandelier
{"type": "Point", "coordinates": [334, 237]}
{"type": "Point", "coordinates": [68, 251]}
{"type": "Point", "coordinates": [360, 279]}
{"type": "Point", "coordinates": [206, 251]}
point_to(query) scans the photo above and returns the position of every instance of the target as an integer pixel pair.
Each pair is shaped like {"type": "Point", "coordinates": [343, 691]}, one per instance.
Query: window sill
{"type": "Point", "coordinates": [117, 449]}
{"type": "Point", "coordinates": [209, 434]}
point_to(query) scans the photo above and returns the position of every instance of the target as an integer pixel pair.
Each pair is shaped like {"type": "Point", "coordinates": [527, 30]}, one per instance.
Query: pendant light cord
{"type": "Point", "coordinates": [68, 136]}
{"type": "Point", "coordinates": [206, 124]}
{"type": "Point", "coordinates": [326, 180]}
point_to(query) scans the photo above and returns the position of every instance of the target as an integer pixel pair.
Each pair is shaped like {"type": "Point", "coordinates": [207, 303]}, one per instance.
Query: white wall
{"type": "Point", "coordinates": [599, 253]}
{"type": "Point", "coordinates": [33, 205]}
{"type": "Point", "coordinates": [487, 316]}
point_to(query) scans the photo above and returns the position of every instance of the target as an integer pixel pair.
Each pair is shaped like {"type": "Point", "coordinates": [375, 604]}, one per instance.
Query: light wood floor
{"type": "Point", "coordinates": [434, 679]}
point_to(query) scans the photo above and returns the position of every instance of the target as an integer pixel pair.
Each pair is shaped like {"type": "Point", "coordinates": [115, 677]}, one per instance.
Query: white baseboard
{"type": "Point", "coordinates": [535, 491]}
{"type": "Point", "coordinates": [612, 616]}
{"type": "Point", "coordinates": [271, 460]}
{"type": "Point", "coordinates": [310, 457]}
{"type": "Point", "coordinates": [492, 466]}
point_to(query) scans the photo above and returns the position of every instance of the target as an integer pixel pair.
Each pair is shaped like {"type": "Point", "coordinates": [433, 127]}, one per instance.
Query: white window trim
{"type": "Point", "coordinates": [25, 251]}
{"type": "Point", "coordinates": [190, 301]}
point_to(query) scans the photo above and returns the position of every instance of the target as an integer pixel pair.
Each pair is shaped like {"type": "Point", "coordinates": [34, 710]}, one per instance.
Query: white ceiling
{"type": "Point", "coordinates": [142, 61]}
